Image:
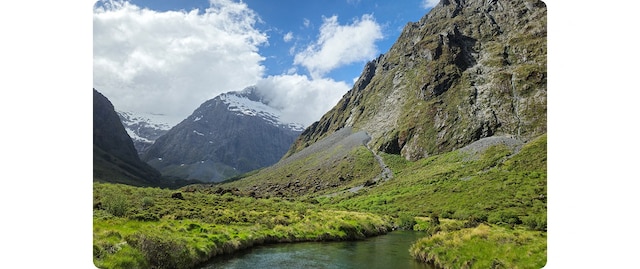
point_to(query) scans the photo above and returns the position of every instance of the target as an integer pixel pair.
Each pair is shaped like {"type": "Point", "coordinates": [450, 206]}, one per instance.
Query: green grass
{"type": "Point", "coordinates": [503, 192]}
{"type": "Point", "coordinates": [498, 187]}
{"type": "Point", "coordinates": [151, 229]}
{"type": "Point", "coordinates": [492, 208]}
{"type": "Point", "coordinates": [484, 246]}
{"type": "Point", "coordinates": [317, 174]}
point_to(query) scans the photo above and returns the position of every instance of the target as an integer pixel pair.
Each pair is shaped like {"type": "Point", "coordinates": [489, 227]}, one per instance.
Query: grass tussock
{"type": "Point", "coordinates": [484, 246]}
{"type": "Point", "coordinates": [147, 228]}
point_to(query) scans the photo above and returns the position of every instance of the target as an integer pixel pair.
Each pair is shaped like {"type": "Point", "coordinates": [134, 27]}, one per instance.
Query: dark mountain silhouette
{"type": "Point", "coordinates": [115, 159]}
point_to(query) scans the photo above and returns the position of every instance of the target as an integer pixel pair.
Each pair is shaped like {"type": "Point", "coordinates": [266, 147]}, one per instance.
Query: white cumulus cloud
{"type": "Point", "coordinates": [170, 62]}
{"type": "Point", "coordinates": [340, 45]}
{"type": "Point", "coordinates": [429, 3]}
{"type": "Point", "coordinates": [302, 100]}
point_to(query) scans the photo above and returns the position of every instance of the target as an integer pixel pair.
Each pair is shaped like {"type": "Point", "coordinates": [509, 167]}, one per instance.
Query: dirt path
{"type": "Point", "coordinates": [386, 172]}
{"type": "Point", "coordinates": [385, 175]}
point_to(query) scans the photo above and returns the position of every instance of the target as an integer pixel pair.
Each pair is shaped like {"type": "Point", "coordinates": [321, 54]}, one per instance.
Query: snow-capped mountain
{"type": "Point", "coordinates": [144, 128]}
{"type": "Point", "coordinates": [231, 134]}
{"type": "Point", "coordinates": [248, 102]}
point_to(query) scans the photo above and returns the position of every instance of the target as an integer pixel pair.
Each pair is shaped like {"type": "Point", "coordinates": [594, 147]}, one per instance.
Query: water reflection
{"type": "Point", "coordinates": [381, 252]}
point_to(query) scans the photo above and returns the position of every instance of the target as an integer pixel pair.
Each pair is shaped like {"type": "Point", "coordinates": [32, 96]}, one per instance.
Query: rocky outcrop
{"type": "Point", "coordinates": [467, 70]}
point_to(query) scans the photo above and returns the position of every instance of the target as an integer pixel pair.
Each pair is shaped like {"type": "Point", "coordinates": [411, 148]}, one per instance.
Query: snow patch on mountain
{"type": "Point", "coordinates": [136, 137]}
{"type": "Point", "coordinates": [242, 104]}
{"type": "Point", "coordinates": [156, 121]}
{"type": "Point", "coordinates": [145, 128]}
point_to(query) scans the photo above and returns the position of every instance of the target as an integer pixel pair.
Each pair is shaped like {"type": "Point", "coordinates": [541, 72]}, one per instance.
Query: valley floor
{"type": "Point", "coordinates": [485, 209]}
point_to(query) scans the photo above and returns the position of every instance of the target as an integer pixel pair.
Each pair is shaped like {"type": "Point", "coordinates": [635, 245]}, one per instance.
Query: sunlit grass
{"type": "Point", "coordinates": [498, 187]}
{"type": "Point", "coordinates": [483, 246]}
{"type": "Point", "coordinates": [175, 233]}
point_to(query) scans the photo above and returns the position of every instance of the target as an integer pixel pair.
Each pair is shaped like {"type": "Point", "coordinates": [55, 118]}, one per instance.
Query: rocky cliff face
{"type": "Point", "coordinates": [231, 134]}
{"type": "Point", "coordinates": [467, 70]}
{"type": "Point", "coordinates": [114, 157]}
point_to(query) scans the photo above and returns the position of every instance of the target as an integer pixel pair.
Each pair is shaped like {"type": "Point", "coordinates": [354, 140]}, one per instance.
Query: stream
{"type": "Point", "coordinates": [380, 252]}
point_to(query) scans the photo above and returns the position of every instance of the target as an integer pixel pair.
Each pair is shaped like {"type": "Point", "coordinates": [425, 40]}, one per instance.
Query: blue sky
{"type": "Point", "coordinates": [167, 57]}
{"type": "Point", "coordinates": [303, 18]}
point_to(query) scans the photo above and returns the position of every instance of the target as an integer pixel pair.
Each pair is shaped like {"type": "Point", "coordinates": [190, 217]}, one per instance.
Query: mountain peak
{"type": "Point", "coordinates": [233, 133]}
{"type": "Point", "coordinates": [249, 102]}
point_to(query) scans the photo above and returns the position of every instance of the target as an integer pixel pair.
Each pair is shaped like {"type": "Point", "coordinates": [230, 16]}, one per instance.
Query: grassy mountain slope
{"type": "Point", "coordinates": [496, 186]}
{"type": "Point", "coordinates": [340, 161]}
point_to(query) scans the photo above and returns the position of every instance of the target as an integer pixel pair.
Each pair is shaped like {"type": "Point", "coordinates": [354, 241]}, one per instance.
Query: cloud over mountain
{"type": "Point", "coordinates": [339, 45]}
{"type": "Point", "coordinates": [169, 62]}
{"type": "Point", "coordinates": [302, 100]}
{"type": "Point", "coordinates": [150, 61]}
{"type": "Point", "coordinates": [429, 3]}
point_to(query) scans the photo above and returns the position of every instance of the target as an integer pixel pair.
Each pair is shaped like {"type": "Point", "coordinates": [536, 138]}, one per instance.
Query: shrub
{"type": "Point", "coordinates": [146, 216]}
{"type": "Point", "coordinates": [115, 203]}
{"type": "Point", "coordinates": [280, 220]}
{"type": "Point", "coordinates": [474, 220]}
{"type": "Point", "coordinates": [537, 223]}
{"type": "Point", "coordinates": [147, 202]}
{"type": "Point", "coordinates": [161, 252]}
{"type": "Point", "coordinates": [435, 220]}
{"type": "Point", "coordinates": [503, 217]}
{"type": "Point", "coordinates": [406, 221]}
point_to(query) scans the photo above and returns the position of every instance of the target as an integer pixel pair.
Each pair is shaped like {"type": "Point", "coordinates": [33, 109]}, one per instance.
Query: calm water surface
{"type": "Point", "coordinates": [382, 252]}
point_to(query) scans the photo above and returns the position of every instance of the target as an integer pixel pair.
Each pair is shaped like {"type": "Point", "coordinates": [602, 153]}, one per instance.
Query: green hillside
{"type": "Point", "coordinates": [496, 186]}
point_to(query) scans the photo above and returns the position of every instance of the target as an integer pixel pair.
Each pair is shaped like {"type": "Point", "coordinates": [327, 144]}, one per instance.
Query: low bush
{"type": "Point", "coordinates": [538, 223]}
{"type": "Point", "coordinates": [115, 203]}
{"type": "Point", "coordinates": [504, 217]}
{"type": "Point", "coordinates": [161, 252]}
{"type": "Point", "coordinates": [406, 221]}
{"type": "Point", "coordinates": [147, 202]}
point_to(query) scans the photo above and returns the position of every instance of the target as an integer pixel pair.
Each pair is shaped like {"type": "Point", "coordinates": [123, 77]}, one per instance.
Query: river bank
{"type": "Point", "coordinates": [149, 227]}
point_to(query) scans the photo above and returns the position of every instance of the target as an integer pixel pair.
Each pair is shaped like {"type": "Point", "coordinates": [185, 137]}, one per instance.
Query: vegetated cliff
{"type": "Point", "coordinates": [231, 134]}
{"type": "Point", "coordinates": [467, 70]}
{"type": "Point", "coordinates": [114, 157]}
